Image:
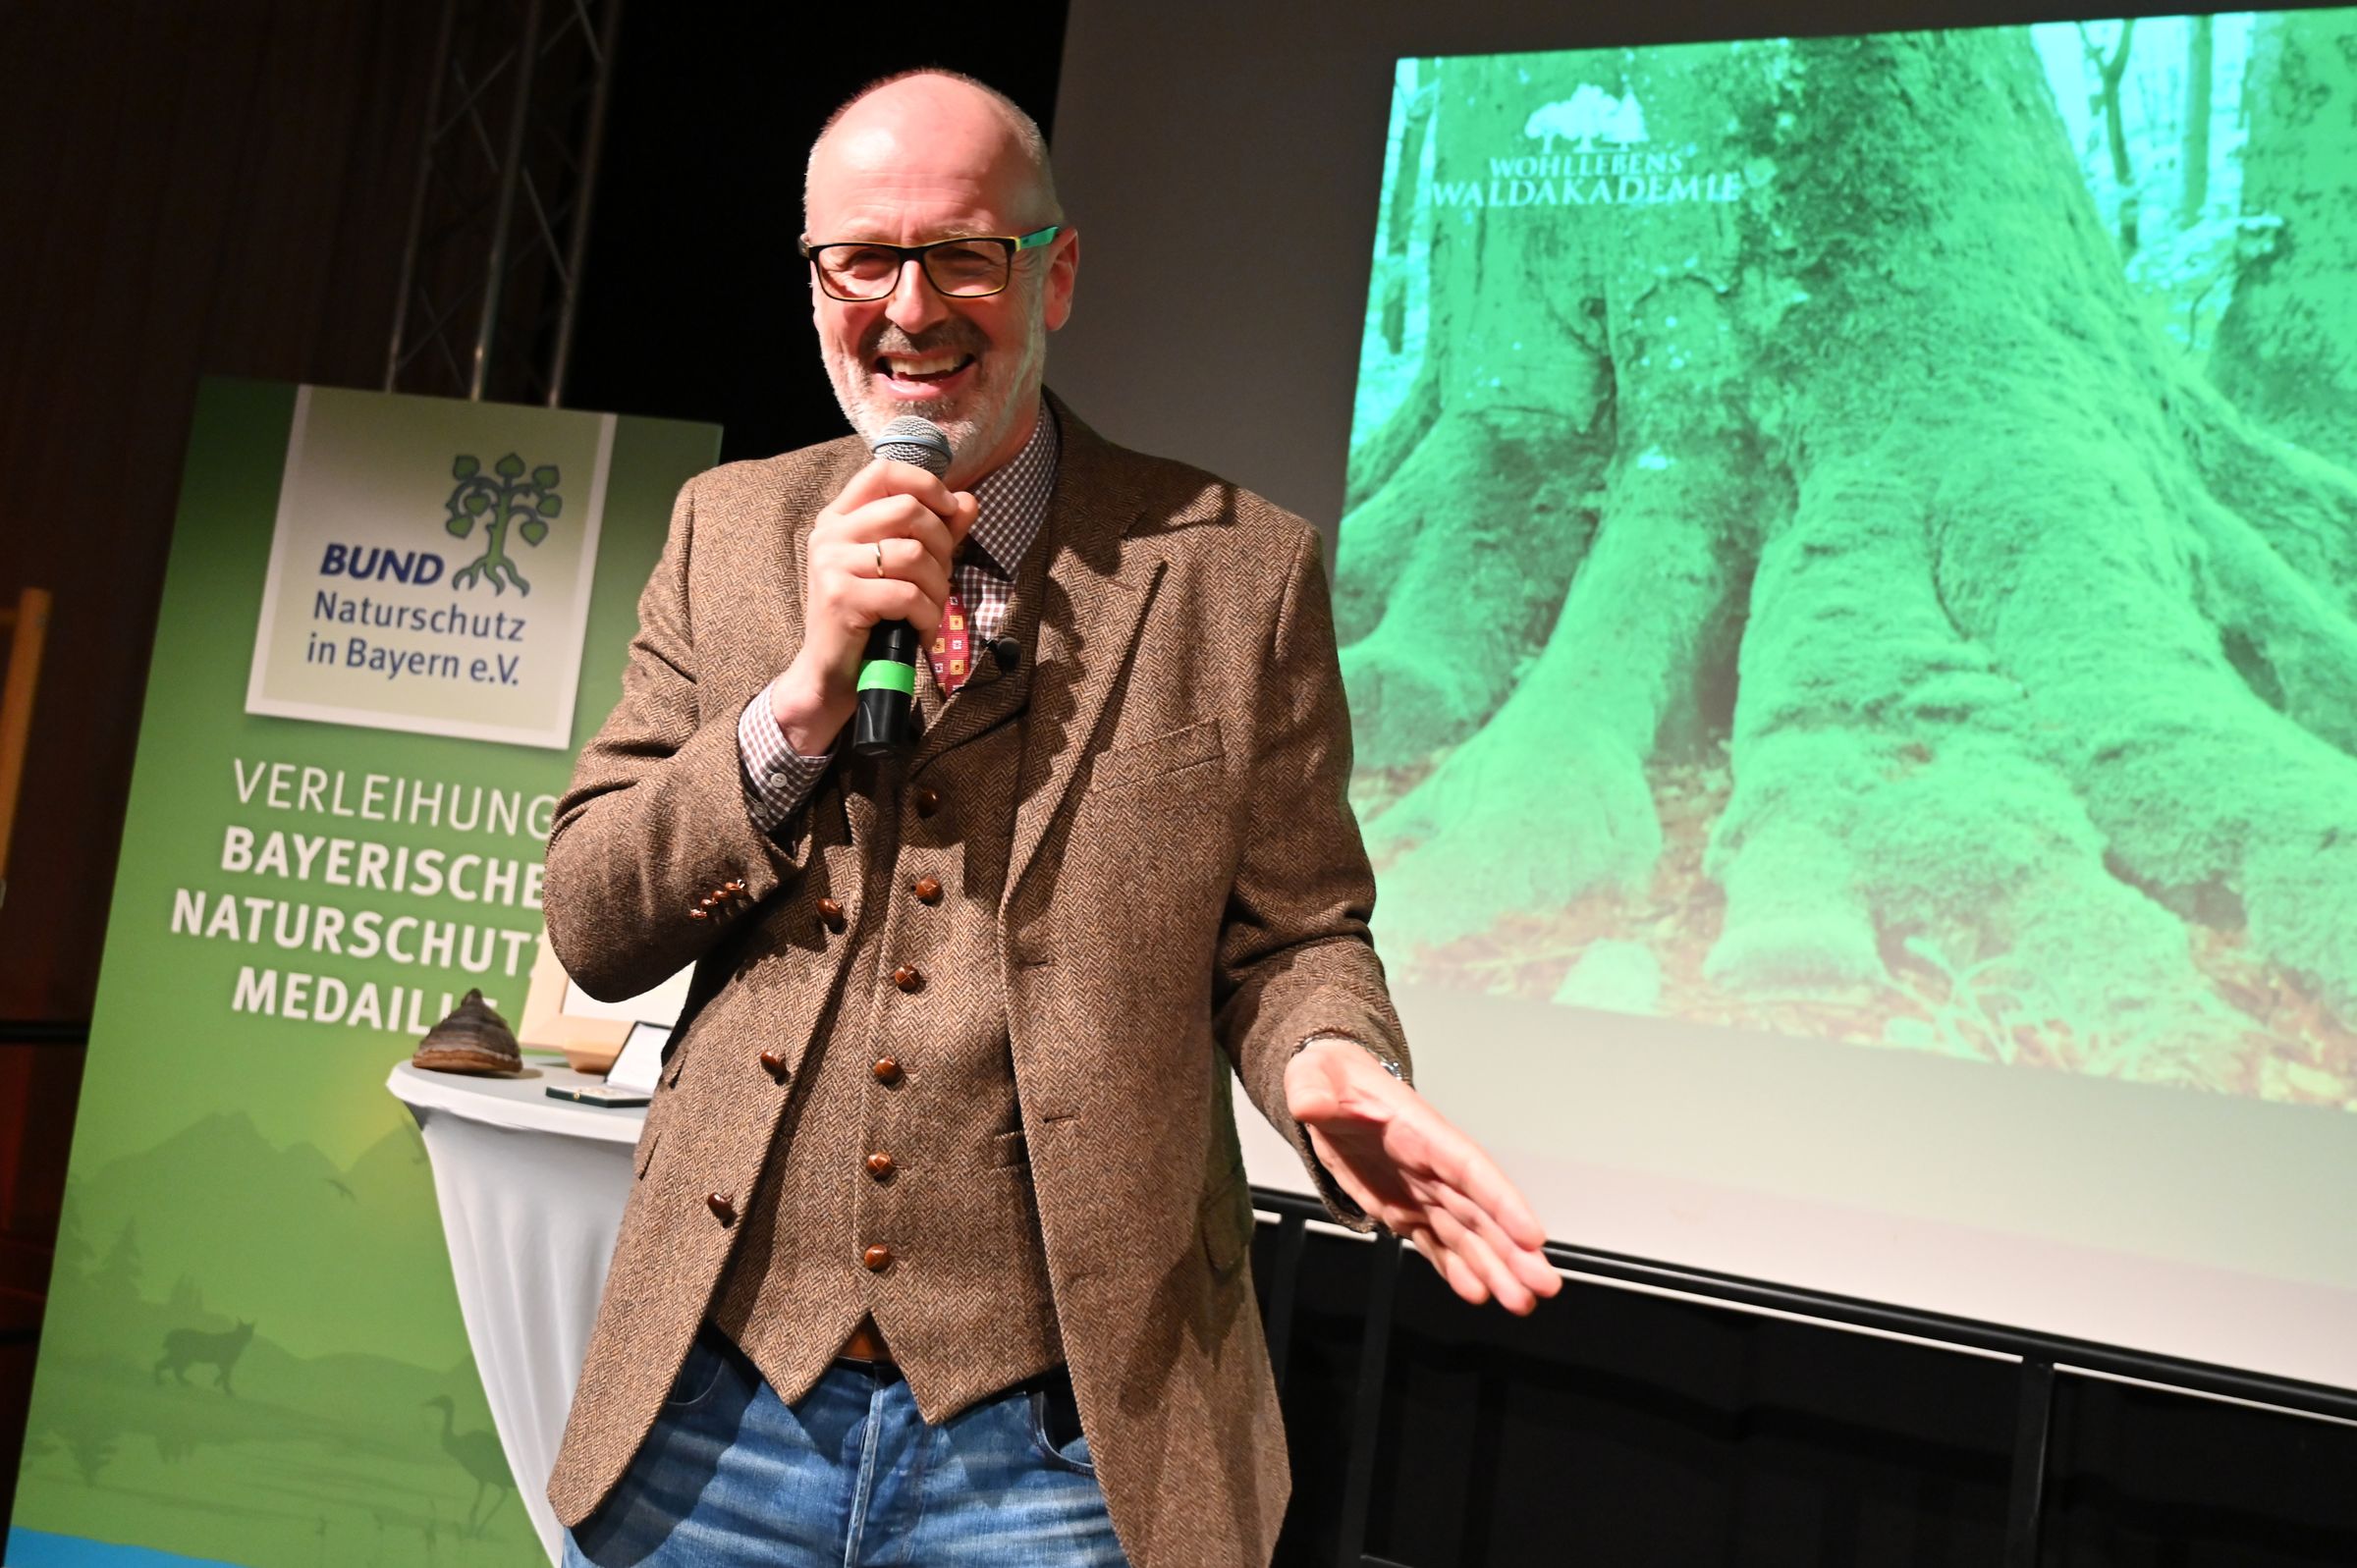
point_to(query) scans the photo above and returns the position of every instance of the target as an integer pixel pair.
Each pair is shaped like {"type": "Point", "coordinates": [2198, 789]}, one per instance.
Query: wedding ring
{"type": "Point", "coordinates": [879, 558]}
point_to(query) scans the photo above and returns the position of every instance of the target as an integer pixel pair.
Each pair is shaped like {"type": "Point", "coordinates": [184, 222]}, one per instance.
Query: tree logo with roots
{"type": "Point", "coordinates": [503, 500]}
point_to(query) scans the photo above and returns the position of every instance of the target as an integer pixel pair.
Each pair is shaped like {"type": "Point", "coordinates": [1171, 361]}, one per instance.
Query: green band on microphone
{"type": "Point", "coordinates": [888, 675]}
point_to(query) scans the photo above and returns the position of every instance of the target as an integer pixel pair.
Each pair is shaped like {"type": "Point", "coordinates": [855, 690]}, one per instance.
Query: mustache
{"type": "Point", "coordinates": [950, 337]}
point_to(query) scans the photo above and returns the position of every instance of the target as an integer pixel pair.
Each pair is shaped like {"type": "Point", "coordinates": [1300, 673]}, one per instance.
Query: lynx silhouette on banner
{"type": "Point", "coordinates": [190, 1347]}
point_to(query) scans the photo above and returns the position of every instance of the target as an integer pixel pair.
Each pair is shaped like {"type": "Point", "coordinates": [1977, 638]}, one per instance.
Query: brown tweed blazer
{"type": "Point", "coordinates": [1185, 891]}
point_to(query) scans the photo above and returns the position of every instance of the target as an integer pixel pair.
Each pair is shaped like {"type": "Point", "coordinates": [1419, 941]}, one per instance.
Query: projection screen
{"type": "Point", "coordinates": [1847, 579]}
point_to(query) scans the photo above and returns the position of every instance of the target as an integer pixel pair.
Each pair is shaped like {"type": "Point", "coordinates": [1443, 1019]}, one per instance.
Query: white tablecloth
{"type": "Point", "coordinates": [531, 1191]}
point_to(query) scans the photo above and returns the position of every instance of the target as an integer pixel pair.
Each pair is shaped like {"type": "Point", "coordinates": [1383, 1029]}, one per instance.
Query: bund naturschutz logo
{"type": "Point", "coordinates": [505, 499]}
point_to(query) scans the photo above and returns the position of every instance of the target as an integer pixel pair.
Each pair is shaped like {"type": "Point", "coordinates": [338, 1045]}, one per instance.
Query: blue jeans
{"type": "Point", "coordinates": [848, 1477]}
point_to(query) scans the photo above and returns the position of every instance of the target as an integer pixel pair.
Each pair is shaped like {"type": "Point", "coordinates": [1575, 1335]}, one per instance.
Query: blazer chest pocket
{"type": "Point", "coordinates": [1149, 761]}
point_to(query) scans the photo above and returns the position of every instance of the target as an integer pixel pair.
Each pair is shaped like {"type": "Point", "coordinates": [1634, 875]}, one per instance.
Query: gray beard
{"type": "Point", "coordinates": [971, 429]}
{"type": "Point", "coordinates": [972, 425]}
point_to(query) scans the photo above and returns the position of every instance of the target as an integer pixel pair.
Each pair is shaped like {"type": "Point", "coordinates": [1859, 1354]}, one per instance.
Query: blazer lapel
{"type": "Point", "coordinates": [1090, 609]}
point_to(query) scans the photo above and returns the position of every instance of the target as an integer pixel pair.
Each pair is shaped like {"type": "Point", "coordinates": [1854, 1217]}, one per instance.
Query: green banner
{"type": "Point", "coordinates": [387, 624]}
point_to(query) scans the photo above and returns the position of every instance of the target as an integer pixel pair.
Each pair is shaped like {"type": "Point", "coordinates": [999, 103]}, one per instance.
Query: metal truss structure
{"type": "Point", "coordinates": [491, 271]}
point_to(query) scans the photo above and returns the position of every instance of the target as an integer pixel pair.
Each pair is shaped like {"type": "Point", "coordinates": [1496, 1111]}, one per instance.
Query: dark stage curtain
{"type": "Point", "coordinates": [185, 189]}
{"type": "Point", "coordinates": [218, 188]}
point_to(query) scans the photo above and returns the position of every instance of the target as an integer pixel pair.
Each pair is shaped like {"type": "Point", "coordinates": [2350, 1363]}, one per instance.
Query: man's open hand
{"type": "Point", "coordinates": [1407, 1166]}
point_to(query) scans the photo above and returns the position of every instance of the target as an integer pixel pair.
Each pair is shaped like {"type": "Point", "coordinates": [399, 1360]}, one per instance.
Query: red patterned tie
{"type": "Point", "coordinates": [950, 650]}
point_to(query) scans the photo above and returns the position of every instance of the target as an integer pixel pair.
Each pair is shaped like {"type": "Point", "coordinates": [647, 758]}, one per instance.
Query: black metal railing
{"type": "Point", "coordinates": [2043, 1359]}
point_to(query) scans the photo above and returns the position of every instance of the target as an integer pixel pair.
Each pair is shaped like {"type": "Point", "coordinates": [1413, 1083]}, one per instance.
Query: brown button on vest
{"type": "Point", "coordinates": [904, 1193]}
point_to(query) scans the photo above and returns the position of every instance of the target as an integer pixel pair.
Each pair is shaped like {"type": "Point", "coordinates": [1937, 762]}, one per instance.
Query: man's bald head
{"type": "Point", "coordinates": [937, 115]}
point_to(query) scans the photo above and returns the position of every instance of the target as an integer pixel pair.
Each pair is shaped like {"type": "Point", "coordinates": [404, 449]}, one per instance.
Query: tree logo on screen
{"type": "Point", "coordinates": [1589, 116]}
{"type": "Point", "coordinates": [1594, 150]}
{"type": "Point", "coordinates": [504, 499]}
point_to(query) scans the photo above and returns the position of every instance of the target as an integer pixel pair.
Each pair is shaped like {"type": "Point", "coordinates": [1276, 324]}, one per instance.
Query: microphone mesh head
{"type": "Point", "coordinates": [910, 439]}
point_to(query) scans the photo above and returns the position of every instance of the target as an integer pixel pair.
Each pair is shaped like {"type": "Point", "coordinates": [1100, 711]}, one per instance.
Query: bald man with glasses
{"type": "Point", "coordinates": [938, 1249]}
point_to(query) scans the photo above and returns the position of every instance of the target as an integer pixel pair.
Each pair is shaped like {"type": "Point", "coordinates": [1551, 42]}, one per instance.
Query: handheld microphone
{"type": "Point", "coordinates": [888, 672]}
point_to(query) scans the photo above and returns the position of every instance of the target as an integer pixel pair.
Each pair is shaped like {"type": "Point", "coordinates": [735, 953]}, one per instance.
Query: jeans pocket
{"type": "Point", "coordinates": [699, 1373]}
{"type": "Point", "coordinates": [1056, 1428]}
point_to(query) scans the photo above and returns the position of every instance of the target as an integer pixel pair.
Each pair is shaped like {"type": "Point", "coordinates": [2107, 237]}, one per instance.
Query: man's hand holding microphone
{"type": "Point", "coordinates": [880, 553]}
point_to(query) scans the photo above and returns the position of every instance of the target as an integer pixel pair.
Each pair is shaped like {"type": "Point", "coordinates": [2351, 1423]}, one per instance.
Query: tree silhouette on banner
{"type": "Point", "coordinates": [500, 500]}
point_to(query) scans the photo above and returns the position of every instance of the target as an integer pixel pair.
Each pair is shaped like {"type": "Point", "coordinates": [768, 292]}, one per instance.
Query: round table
{"type": "Point", "coordinates": [531, 1191]}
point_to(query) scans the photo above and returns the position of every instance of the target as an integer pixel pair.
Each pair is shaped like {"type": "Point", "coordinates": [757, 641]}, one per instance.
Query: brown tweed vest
{"type": "Point", "coordinates": [899, 1185]}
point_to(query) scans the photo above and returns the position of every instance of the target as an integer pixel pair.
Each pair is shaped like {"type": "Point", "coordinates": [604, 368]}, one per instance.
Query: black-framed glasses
{"type": "Point", "coordinates": [967, 267]}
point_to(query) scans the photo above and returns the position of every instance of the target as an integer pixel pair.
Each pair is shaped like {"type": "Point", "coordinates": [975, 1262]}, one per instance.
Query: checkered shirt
{"type": "Point", "coordinates": [1013, 503]}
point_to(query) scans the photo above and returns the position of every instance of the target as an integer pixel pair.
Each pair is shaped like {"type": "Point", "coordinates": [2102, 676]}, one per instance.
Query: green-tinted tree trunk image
{"type": "Point", "coordinates": [2201, 64]}
{"type": "Point", "coordinates": [2287, 347]}
{"type": "Point", "coordinates": [1841, 591]}
{"type": "Point", "coordinates": [1398, 206]}
{"type": "Point", "coordinates": [2110, 70]}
